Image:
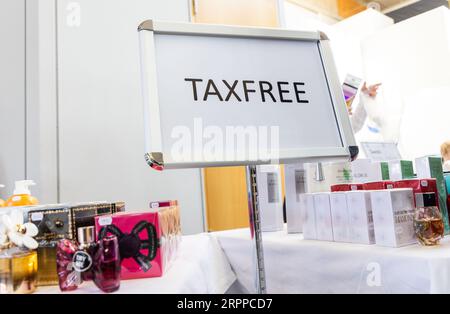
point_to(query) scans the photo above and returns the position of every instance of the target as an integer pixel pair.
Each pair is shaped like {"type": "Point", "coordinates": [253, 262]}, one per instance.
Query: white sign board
{"type": "Point", "coordinates": [381, 151]}
{"type": "Point", "coordinates": [219, 96]}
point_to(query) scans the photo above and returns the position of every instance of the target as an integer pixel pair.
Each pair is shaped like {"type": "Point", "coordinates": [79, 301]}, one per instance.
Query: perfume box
{"type": "Point", "coordinates": [431, 167]}
{"type": "Point", "coordinates": [83, 214]}
{"type": "Point", "coordinates": [308, 214]}
{"type": "Point", "coordinates": [319, 177]}
{"type": "Point", "coordinates": [360, 216]}
{"type": "Point", "coordinates": [54, 222]}
{"type": "Point", "coordinates": [379, 185]}
{"type": "Point", "coordinates": [393, 217]}
{"type": "Point", "coordinates": [363, 170]}
{"type": "Point", "coordinates": [144, 240]}
{"type": "Point", "coordinates": [419, 186]}
{"type": "Point", "coordinates": [347, 187]}
{"type": "Point", "coordinates": [324, 224]}
{"type": "Point", "coordinates": [295, 187]}
{"type": "Point", "coordinates": [270, 197]}
{"type": "Point", "coordinates": [401, 169]}
{"type": "Point", "coordinates": [340, 217]}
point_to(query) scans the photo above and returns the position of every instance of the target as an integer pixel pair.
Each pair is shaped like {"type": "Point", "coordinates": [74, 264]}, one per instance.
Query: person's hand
{"type": "Point", "coordinates": [371, 90]}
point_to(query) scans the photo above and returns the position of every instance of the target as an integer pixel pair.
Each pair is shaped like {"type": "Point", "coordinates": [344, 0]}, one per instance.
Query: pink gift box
{"type": "Point", "coordinates": [144, 240]}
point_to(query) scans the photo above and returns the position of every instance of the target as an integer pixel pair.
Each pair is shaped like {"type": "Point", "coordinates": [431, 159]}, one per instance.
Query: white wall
{"type": "Point", "coordinates": [85, 130]}
{"type": "Point", "coordinates": [412, 59]}
{"type": "Point", "coordinates": [12, 93]}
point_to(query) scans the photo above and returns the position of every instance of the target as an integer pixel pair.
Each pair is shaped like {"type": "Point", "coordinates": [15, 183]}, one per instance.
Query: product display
{"type": "Point", "coordinates": [361, 219]}
{"type": "Point", "coordinates": [400, 170]}
{"type": "Point", "coordinates": [428, 222]}
{"type": "Point", "coordinates": [18, 271]}
{"type": "Point", "coordinates": [295, 187]}
{"type": "Point", "coordinates": [22, 195]}
{"type": "Point", "coordinates": [324, 223]}
{"type": "Point", "coordinates": [380, 185]}
{"type": "Point", "coordinates": [340, 217]}
{"type": "Point", "coordinates": [347, 187]}
{"type": "Point", "coordinates": [270, 198]}
{"type": "Point", "coordinates": [393, 213]}
{"type": "Point", "coordinates": [308, 216]}
{"type": "Point", "coordinates": [431, 167]}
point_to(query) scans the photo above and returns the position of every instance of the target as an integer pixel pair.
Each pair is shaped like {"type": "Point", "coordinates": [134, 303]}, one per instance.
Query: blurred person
{"type": "Point", "coordinates": [359, 116]}
{"type": "Point", "coordinates": [445, 152]}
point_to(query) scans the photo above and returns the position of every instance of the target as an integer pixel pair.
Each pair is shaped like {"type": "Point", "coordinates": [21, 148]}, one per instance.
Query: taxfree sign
{"type": "Point", "coordinates": [284, 92]}
{"type": "Point", "coordinates": [237, 96]}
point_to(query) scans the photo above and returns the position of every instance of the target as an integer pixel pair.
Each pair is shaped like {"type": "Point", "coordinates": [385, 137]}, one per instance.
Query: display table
{"type": "Point", "coordinates": [200, 267]}
{"type": "Point", "coordinates": [294, 265]}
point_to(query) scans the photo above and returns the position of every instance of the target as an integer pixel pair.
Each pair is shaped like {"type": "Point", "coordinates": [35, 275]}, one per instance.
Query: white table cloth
{"type": "Point", "coordinates": [294, 265]}
{"type": "Point", "coordinates": [200, 267]}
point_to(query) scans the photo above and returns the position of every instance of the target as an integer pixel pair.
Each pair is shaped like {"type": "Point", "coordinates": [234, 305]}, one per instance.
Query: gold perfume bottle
{"type": "Point", "coordinates": [18, 271]}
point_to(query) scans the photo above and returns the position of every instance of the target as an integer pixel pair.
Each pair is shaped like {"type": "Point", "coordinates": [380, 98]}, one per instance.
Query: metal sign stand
{"type": "Point", "coordinates": [255, 229]}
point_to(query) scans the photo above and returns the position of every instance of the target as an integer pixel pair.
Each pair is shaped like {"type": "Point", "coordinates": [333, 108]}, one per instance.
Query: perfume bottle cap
{"type": "Point", "coordinates": [86, 235]}
{"type": "Point", "coordinates": [426, 199]}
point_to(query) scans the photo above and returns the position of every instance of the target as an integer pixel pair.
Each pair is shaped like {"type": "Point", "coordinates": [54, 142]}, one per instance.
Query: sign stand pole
{"type": "Point", "coordinates": [255, 229]}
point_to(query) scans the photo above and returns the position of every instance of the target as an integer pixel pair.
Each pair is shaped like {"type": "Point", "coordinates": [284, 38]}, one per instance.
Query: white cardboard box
{"type": "Point", "coordinates": [393, 217]}
{"type": "Point", "coordinates": [270, 197]}
{"type": "Point", "coordinates": [360, 216]}
{"type": "Point", "coordinates": [324, 223]}
{"type": "Point", "coordinates": [308, 216]}
{"type": "Point", "coordinates": [364, 170]}
{"type": "Point", "coordinates": [340, 217]}
{"type": "Point", "coordinates": [332, 173]}
{"type": "Point", "coordinates": [295, 186]}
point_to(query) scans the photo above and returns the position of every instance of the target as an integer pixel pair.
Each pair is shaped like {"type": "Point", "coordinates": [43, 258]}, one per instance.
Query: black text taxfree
{"type": "Point", "coordinates": [247, 90]}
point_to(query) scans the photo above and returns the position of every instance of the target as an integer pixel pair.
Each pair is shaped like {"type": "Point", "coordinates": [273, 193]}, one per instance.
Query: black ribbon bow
{"type": "Point", "coordinates": [130, 245]}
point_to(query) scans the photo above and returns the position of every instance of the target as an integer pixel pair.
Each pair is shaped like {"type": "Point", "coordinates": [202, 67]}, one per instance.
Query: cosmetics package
{"type": "Point", "coordinates": [393, 213]}
{"type": "Point", "coordinates": [270, 197]}
{"type": "Point", "coordinates": [308, 214]}
{"type": "Point", "coordinates": [295, 187]}
{"type": "Point", "coordinates": [364, 170]}
{"type": "Point", "coordinates": [431, 167]}
{"type": "Point", "coordinates": [401, 170]}
{"type": "Point", "coordinates": [54, 222]}
{"type": "Point", "coordinates": [383, 167]}
{"type": "Point", "coordinates": [361, 219]}
{"type": "Point", "coordinates": [324, 224]}
{"type": "Point", "coordinates": [347, 187]}
{"type": "Point", "coordinates": [18, 271]}
{"type": "Point", "coordinates": [143, 240]}
{"type": "Point", "coordinates": [46, 254]}
{"type": "Point", "coordinates": [83, 214]}
{"type": "Point", "coordinates": [340, 217]}
{"type": "Point", "coordinates": [380, 185]}
{"type": "Point", "coordinates": [319, 177]}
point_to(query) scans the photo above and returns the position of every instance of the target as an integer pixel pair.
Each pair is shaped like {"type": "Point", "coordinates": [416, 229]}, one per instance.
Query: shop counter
{"type": "Point", "coordinates": [200, 268]}
{"type": "Point", "coordinates": [295, 265]}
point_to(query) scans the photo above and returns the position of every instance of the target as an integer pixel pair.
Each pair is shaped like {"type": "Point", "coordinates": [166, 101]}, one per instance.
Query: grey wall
{"type": "Point", "coordinates": [12, 93]}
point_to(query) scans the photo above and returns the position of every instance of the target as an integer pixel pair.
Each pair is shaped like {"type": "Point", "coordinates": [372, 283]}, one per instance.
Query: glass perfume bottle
{"type": "Point", "coordinates": [87, 249]}
{"type": "Point", "coordinates": [428, 222]}
{"type": "Point", "coordinates": [106, 267]}
{"type": "Point", "coordinates": [18, 271]}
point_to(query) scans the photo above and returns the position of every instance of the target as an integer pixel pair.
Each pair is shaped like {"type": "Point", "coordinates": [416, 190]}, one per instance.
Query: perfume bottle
{"type": "Point", "coordinates": [428, 222]}
{"type": "Point", "coordinates": [87, 249]}
{"type": "Point", "coordinates": [106, 267]}
{"type": "Point", "coordinates": [18, 271]}
{"type": "Point", "coordinates": [68, 279]}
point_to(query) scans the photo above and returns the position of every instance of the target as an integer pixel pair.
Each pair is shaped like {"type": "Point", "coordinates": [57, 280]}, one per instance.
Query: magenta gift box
{"type": "Point", "coordinates": [139, 237]}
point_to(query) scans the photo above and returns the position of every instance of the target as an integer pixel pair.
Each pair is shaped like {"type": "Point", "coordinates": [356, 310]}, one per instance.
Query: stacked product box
{"type": "Point", "coordinates": [340, 217]}
{"type": "Point", "coordinates": [361, 218]}
{"type": "Point", "coordinates": [324, 225]}
{"type": "Point", "coordinates": [319, 177]}
{"type": "Point", "coordinates": [365, 170]}
{"type": "Point", "coordinates": [401, 170]}
{"type": "Point", "coordinates": [145, 245]}
{"type": "Point", "coordinates": [347, 187]}
{"type": "Point", "coordinates": [378, 185]}
{"type": "Point", "coordinates": [393, 216]}
{"type": "Point", "coordinates": [295, 187]}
